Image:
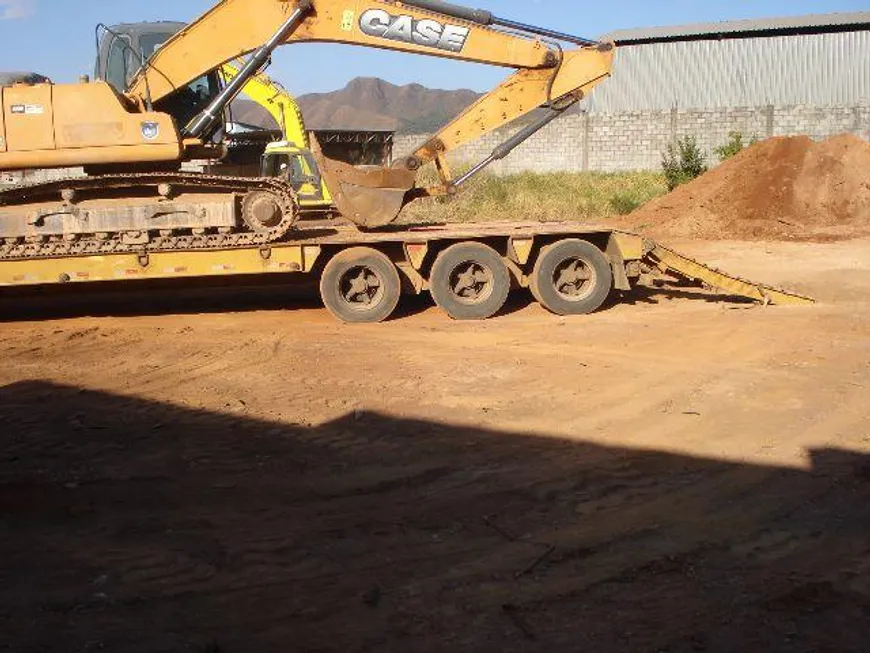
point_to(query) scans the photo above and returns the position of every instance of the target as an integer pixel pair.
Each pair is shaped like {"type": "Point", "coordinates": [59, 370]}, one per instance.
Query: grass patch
{"type": "Point", "coordinates": [625, 203]}
{"type": "Point", "coordinates": [579, 196]}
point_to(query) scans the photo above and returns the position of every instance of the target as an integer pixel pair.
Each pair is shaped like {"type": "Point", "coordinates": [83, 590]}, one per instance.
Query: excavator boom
{"type": "Point", "coordinates": [292, 151]}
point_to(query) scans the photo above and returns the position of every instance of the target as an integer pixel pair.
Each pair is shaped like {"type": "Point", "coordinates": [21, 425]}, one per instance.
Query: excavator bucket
{"type": "Point", "coordinates": [368, 196]}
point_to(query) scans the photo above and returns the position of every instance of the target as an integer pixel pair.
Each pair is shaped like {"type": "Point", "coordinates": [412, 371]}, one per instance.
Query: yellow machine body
{"type": "Point", "coordinates": [59, 125]}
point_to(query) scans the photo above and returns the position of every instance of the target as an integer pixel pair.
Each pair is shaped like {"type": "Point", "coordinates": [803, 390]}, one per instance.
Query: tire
{"type": "Point", "coordinates": [469, 281]}
{"type": "Point", "coordinates": [571, 277]}
{"type": "Point", "coordinates": [360, 285]}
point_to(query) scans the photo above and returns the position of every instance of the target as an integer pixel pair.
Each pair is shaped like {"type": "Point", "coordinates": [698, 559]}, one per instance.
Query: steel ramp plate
{"type": "Point", "coordinates": [667, 260]}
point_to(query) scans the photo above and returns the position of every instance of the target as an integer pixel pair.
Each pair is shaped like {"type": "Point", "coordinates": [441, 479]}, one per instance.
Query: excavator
{"type": "Point", "coordinates": [291, 156]}
{"type": "Point", "coordinates": [123, 49]}
{"type": "Point", "coordinates": [135, 197]}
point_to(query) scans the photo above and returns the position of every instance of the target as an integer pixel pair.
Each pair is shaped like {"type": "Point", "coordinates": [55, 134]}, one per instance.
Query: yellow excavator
{"type": "Point", "coordinates": [290, 157]}
{"type": "Point", "coordinates": [131, 144]}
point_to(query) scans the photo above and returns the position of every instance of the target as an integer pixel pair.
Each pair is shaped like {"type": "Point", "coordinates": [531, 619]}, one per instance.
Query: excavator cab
{"type": "Point", "coordinates": [123, 49]}
{"type": "Point", "coordinates": [296, 166]}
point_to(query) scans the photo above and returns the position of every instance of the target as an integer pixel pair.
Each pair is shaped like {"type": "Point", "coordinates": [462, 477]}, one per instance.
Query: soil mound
{"type": "Point", "coordinates": [785, 188]}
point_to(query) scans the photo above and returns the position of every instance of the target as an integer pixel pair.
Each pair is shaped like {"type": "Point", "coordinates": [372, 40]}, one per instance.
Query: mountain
{"type": "Point", "coordinates": [372, 103]}
{"type": "Point", "coordinates": [339, 116]}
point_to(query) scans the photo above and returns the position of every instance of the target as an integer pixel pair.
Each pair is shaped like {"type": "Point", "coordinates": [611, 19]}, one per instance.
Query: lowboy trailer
{"type": "Point", "coordinates": [469, 269]}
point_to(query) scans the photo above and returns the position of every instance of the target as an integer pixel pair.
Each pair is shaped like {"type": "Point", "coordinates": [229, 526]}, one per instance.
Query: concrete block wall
{"type": "Point", "coordinates": [635, 140]}
{"type": "Point", "coordinates": [822, 122]}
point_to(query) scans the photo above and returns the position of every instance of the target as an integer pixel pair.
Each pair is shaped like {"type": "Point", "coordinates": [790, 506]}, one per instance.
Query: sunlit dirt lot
{"type": "Point", "coordinates": [235, 471]}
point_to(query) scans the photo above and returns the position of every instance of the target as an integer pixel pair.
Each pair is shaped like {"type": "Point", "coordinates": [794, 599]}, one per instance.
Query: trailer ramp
{"type": "Point", "coordinates": [670, 262]}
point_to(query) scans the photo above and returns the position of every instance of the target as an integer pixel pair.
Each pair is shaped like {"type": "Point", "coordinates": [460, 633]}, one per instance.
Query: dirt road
{"type": "Point", "coordinates": [669, 474]}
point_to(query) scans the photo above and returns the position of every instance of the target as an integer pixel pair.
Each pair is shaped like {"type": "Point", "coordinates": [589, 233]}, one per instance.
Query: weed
{"type": "Point", "coordinates": [683, 161]}
{"type": "Point", "coordinates": [734, 145]}
{"type": "Point", "coordinates": [624, 203]}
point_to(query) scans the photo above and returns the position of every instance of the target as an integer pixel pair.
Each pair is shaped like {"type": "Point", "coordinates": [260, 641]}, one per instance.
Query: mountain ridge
{"type": "Point", "coordinates": [370, 103]}
{"type": "Point", "coordinates": [373, 103]}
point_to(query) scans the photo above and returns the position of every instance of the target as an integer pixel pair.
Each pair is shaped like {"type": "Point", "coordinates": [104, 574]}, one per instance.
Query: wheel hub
{"type": "Point", "coordinates": [361, 287]}
{"type": "Point", "coordinates": [573, 279]}
{"type": "Point", "coordinates": [261, 211]}
{"type": "Point", "coordinates": [471, 282]}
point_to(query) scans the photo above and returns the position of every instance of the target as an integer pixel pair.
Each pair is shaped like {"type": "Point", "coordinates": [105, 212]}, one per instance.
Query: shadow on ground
{"type": "Point", "coordinates": [128, 525]}
{"type": "Point", "coordinates": [173, 297]}
{"type": "Point", "coordinates": [669, 291]}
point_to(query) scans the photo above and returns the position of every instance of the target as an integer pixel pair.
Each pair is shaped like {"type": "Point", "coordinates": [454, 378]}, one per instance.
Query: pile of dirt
{"type": "Point", "coordinates": [786, 188]}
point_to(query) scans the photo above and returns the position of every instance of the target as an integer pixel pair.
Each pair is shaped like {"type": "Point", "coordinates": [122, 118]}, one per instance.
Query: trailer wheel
{"type": "Point", "coordinates": [571, 277]}
{"type": "Point", "coordinates": [469, 281]}
{"type": "Point", "coordinates": [359, 285]}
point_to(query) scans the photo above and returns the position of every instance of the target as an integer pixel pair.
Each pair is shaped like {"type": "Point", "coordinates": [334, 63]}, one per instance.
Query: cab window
{"type": "Point", "coordinates": [148, 43]}
{"type": "Point", "coordinates": [286, 166]}
{"type": "Point", "coordinates": [297, 174]}
{"type": "Point", "coordinates": [188, 101]}
{"type": "Point", "coordinates": [274, 164]}
{"type": "Point", "coordinates": [117, 64]}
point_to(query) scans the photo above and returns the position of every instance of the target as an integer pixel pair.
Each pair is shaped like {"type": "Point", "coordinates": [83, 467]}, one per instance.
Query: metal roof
{"type": "Point", "coordinates": [808, 24]}
{"type": "Point", "coordinates": [821, 70]}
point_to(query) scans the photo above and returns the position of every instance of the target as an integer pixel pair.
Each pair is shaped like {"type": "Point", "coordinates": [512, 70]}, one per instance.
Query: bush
{"type": "Point", "coordinates": [683, 161]}
{"type": "Point", "coordinates": [733, 146]}
{"type": "Point", "coordinates": [624, 203]}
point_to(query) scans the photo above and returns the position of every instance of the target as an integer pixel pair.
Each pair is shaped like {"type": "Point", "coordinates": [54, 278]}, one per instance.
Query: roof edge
{"type": "Point", "coordinates": [808, 24]}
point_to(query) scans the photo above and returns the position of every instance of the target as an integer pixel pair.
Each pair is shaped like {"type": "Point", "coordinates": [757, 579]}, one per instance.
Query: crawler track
{"type": "Point", "coordinates": [24, 196]}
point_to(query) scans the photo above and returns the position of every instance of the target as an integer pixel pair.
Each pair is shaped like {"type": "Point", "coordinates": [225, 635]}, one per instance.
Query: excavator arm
{"type": "Point", "coordinates": [304, 171]}
{"type": "Point", "coordinates": [546, 75]}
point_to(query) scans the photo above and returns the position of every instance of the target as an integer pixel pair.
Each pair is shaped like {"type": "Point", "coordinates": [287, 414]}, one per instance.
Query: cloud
{"type": "Point", "coordinates": [12, 9]}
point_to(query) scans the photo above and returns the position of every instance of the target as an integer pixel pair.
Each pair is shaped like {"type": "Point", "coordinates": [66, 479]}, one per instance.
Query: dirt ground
{"type": "Point", "coordinates": [241, 473]}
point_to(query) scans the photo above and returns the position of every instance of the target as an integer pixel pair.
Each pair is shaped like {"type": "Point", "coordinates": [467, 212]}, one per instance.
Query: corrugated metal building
{"type": "Point", "coordinates": [819, 60]}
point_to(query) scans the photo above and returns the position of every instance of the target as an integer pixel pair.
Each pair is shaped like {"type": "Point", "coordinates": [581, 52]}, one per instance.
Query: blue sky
{"type": "Point", "coordinates": [56, 37]}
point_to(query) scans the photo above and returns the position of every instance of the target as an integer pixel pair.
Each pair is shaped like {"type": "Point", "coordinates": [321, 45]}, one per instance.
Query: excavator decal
{"type": "Point", "coordinates": [403, 28]}
{"type": "Point", "coordinates": [27, 109]}
{"type": "Point", "coordinates": [150, 131]}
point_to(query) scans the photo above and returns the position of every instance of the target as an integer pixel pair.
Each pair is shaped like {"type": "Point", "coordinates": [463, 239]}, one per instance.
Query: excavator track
{"type": "Point", "coordinates": [22, 199]}
{"type": "Point", "coordinates": [670, 262]}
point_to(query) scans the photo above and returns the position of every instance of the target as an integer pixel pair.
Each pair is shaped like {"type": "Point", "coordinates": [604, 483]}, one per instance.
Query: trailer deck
{"type": "Point", "coordinates": [415, 251]}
